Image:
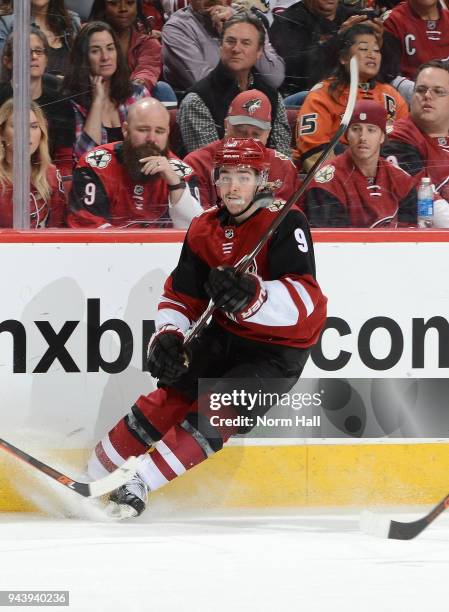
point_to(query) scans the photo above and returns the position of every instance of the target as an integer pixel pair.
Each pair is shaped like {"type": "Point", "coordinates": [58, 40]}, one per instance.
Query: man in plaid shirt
{"type": "Point", "coordinates": [202, 112]}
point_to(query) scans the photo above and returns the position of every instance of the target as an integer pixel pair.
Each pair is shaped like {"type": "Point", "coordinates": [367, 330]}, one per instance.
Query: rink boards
{"type": "Point", "coordinates": [75, 316]}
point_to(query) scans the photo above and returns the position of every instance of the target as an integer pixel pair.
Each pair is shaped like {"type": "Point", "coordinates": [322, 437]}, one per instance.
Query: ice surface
{"type": "Point", "coordinates": [170, 561]}
{"type": "Point", "coordinates": [243, 561]}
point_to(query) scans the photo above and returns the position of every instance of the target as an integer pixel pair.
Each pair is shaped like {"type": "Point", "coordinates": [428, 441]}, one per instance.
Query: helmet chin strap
{"type": "Point", "coordinates": [262, 199]}
{"type": "Point", "coordinates": [242, 212]}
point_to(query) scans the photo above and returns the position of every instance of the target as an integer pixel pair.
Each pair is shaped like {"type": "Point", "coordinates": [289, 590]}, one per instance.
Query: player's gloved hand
{"type": "Point", "coordinates": [238, 295]}
{"type": "Point", "coordinates": [167, 360]}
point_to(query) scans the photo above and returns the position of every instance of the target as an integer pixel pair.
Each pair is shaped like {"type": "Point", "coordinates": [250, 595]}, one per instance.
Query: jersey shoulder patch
{"type": "Point", "coordinates": [276, 205]}
{"type": "Point", "coordinates": [181, 169]}
{"type": "Point", "coordinates": [317, 86]}
{"type": "Point", "coordinates": [326, 174]}
{"type": "Point", "coordinates": [99, 158]}
{"type": "Point", "coordinates": [280, 155]}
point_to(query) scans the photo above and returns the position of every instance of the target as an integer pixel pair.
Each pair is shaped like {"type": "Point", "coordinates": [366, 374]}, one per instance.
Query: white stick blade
{"type": "Point", "coordinates": [115, 479]}
{"type": "Point", "coordinates": [353, 88]}
{"type": "Point", "coordinates": [374, 524]}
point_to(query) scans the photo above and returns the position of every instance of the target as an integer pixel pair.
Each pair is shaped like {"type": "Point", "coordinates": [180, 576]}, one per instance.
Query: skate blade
{"type": "Point", "coordinates": [120, 512]}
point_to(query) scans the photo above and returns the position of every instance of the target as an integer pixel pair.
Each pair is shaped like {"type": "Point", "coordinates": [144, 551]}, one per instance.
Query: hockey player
{"type": "Point", "coordinates": [249, 116]}
{"type": "Point", "coordinates": [359, 188]}
{"type": "Point", "coordinates": [265, 322]}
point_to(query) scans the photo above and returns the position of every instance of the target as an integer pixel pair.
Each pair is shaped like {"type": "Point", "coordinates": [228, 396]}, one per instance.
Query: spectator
{"type": "Point", "coordinates": [99, 85]}
{"type": "Point", "coordinates": [47, 199]}
{"type": "Point", "coordinates": [202, 112]}
{"type": "Point", "coordinates": [143, 52]}
{"type": "Point", "coordinates": [82, 7]}
{"type": "Point", "coordinates": [59, 25]}
{"type": "Point", "coordinates": [249, 116]}
{"type": "Point", "coordinates": [420, 30]}
{"type": "Point", "coordinates": [43, 91]}
{"type": "Point", "coordinates": [320, 115]}
{"type": "Point", "coordinates": [154, 14]}
{"type": "Point", "coordinates": [137, 182]}
{"type": "Point", "coordinates": [419, 144]}
{"type": "Point", "coordinates": [306, 37]}
{"type": "Point", "coordinates": [191, 45]}
{"type": "Point", "coordinates": [6, 8]}
{"type": "Point", "coordinates": [360, 188]}
{"type": "Point", "coordinates": [259, 8]}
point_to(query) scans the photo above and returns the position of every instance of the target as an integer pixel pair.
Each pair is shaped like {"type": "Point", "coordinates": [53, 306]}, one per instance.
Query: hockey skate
{"type": "Point", "coordinates": [129, 500]}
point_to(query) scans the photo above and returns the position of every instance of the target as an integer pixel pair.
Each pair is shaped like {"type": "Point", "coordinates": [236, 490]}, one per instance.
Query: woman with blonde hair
{"type": "Point", "coordinates": [47, 198]}
{"type": "Point", "coordinates": [58, 112]}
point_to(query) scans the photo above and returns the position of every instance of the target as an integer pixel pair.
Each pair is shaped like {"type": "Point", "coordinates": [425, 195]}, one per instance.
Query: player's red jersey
{"type": "Point", "coordinates": [341, 196]}
{"type": "Point", "coordinates": [283, 174]}
{"type": "Point", "coordinates": [43, 212]}
{"type": "Point", "coordinates": [320, 115]}
{"type": "Point", "coordinates": [419, 155]}
{"type": "Point", "coordinates": [295, 310]}
{"type": "Point", "coordinates": [420, 40]}
{"type": "Point", "coordinates": [104, 195]}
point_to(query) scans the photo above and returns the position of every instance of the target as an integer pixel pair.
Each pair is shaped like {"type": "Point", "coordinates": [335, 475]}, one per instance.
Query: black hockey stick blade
{"type": "Point", "coordinates": [87, 489]}
{"type": "Point", "coordinates": [245, 262]}
{"type": "Point", "coordinates": [374, 524]}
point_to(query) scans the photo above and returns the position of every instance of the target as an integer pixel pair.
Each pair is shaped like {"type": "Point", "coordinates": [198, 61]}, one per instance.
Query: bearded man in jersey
{"type": "Point", "coordinates": [359, 188]}
{"type": "Point", "coordinates": [264, 324]}
{"type": "Point", "coordinates": [135, 183]}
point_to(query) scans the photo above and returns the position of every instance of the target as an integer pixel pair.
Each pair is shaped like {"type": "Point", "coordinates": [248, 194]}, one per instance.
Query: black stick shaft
{"type": "Point", "coordinates": [408, 531]}
{"type": "Point", "coordinates": [81, 488]}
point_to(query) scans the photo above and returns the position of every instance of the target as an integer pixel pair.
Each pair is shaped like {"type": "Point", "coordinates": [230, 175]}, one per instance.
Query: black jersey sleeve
{"type": "Point", "coordinates": [290, 250]}
{"type": "Point", "coordinates": [324, 209]}
{"type": "Point", "coordinates": [88, 194]}
{"type": "Point", "coordinates": [403, 155]}
{"type": "Point", "coordinates": [407, 214]}
{"type": "Point", "coordinates": [190, 274]}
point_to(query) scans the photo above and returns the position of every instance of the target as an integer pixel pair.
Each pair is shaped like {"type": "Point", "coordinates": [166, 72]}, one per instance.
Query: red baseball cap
{"type": "Point", "coordinates": [367, 111]}
{"type": "Point", "coordinates": [251, 107]}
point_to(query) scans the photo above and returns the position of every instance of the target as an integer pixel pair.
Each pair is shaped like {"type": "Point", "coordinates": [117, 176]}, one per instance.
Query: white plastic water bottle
{"type": "Point", "coordinates": [425, 203]}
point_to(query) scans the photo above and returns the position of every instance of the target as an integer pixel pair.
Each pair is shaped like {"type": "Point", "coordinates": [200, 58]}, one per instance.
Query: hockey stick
{"type": "Point", "coordinates": [245, 262]}
{"type": "Point", "coordinates": [379, 526]}
{"type": "Point", "coordinates": [87, 489]}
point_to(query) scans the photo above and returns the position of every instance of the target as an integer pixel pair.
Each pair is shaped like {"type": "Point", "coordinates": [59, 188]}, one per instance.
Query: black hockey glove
{"type": "Point", "coordinates": [166, 359]}
{"type": "Point", "coordinates": [238, 295]}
